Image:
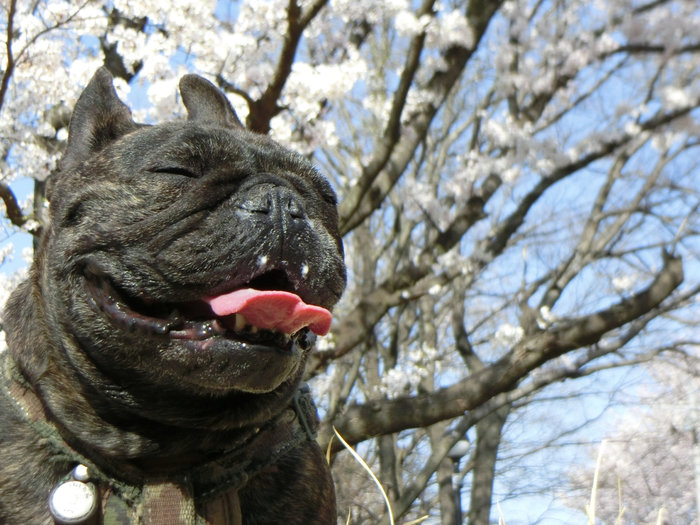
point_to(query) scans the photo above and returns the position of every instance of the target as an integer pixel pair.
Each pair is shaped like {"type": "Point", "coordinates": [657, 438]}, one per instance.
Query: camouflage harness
{"type": "Point", "coordinates": [205, 495]}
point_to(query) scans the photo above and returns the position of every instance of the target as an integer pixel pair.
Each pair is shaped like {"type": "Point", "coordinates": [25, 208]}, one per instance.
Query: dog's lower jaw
{"type": "Point", "coordinates": [125, 433]}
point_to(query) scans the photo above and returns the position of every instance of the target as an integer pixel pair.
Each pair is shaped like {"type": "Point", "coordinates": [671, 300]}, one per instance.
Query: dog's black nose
{"type": "Point", "coordinates": [281, 205]}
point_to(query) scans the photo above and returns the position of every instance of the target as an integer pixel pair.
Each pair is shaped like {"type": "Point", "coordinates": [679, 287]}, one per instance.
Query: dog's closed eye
{"type": "Point", "coordinates": [175, 170]}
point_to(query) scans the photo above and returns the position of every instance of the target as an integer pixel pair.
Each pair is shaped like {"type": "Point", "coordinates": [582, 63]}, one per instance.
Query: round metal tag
{"type": "Point", "coordinates": [73, 502]}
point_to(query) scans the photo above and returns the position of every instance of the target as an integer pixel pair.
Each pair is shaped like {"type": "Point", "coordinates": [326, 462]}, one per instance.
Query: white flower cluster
{"type": "Point", "coordinates": [508, 335]}
{"type": "Point", "coordinates": [409, 372]}
{"type": "Point", "coordinates": [444, 30]}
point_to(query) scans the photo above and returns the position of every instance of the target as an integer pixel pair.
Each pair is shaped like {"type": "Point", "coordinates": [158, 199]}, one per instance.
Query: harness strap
{"type": "Point", "coordinates": [171, 503]}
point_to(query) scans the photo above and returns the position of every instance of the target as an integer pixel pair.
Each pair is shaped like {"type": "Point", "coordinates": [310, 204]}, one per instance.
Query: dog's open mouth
{"type": "Point", "coordinates": [272, 318]}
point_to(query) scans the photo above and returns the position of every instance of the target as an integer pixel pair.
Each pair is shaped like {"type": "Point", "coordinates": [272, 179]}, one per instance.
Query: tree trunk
{"type": "Point", "coordinates": [450, 511]}
{"type": "Point", "coordinates": [388, 474]}
{"type": "Point", "coordinates": [488, 438]}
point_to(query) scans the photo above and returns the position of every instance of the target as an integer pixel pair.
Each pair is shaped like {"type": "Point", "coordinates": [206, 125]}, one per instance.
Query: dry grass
{"type": "Point", "coordinates": [590, 507]}
{"type": "Point", "coordinates": [365, 466]}
{"type": "Point", "coordinates": [592, 504]}
{"type": "Point", "coordinates": [501, 520]}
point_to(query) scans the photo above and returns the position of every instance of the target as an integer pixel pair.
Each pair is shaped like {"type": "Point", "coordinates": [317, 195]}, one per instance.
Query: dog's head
{"type": "Point", "coordinates": [192, 255]}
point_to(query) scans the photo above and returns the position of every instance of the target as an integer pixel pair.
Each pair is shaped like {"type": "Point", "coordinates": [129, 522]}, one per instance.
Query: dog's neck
{"type": "Point", "coordinates": [210, 484]}
{"type": "Point", "coordinates": [230, 459]}
{"type": "Point", "coordinates": [158, 448]}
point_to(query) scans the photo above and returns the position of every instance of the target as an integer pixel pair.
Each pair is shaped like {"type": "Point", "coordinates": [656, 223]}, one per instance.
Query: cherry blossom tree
{"type": "Point", "coordinates": [650, 461]}
{"type": "Point", "coordinates": [518, 184]}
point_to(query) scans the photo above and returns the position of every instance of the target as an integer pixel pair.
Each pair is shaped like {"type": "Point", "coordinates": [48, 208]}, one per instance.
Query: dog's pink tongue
{"type": "Point", "coordinates": [272, 310]}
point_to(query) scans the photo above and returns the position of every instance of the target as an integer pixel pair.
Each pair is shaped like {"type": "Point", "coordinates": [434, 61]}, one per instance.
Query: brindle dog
{"type": "Point", "coordinates": [159, 342]}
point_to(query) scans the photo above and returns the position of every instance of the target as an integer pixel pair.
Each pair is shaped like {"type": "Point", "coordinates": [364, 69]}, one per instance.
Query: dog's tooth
{"type": "Point", "coordinates": [217, 327]}
{"type": "Point", "coordinates": [239, 322]}
{"type": "Point", "coordinates": [253, 329]}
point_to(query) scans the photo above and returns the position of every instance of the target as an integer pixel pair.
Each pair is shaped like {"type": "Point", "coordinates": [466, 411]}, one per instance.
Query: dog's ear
{"type": "Point", "coordinates": [99, 117]}
{"type": "Point", "coordinates": [206, 103]}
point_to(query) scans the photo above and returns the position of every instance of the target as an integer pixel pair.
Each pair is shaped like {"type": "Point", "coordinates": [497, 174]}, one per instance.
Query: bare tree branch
{"type": "Point", "coordinates": [376, 182]}
{"type": "Point", "coordinates": [10, 62]}
{"type": "Point", "coordinates": [392, 130]}
{"type": "Point", "coordinates": [392, 292]}
{"type": "Point", "coordinates": [266, 107]}
{"type": "Point", "coordinates": [360, 422]}
{"type": "Point", "coordinates": [12, 207]}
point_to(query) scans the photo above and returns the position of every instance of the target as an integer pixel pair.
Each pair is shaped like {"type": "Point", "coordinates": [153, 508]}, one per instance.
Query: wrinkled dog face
{"type": "Point", "coordinates": [191, 254]}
